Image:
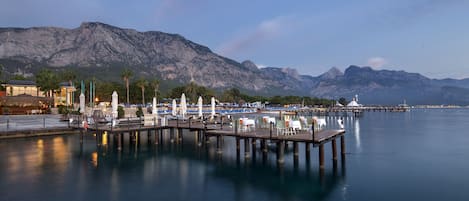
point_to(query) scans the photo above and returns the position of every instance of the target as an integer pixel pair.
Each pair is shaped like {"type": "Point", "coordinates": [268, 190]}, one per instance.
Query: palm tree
{"type": "Point", "coordinates": [155, 84]}
{"type": "Point", "coordinates": [126, 74]}
{"type": "Point", "coordinates": [142, 83]}
{"type": "Point", "coordinates": [191, 91]}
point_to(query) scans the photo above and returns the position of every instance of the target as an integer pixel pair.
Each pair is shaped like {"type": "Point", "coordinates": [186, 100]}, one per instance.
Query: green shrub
{"type": "Point", "coordinates": [63, 109]}
{"type": "Point", "coordinates": [139, 112]}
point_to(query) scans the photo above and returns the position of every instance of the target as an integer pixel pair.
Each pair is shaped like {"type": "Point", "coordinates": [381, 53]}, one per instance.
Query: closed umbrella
{"type": "Point", "coordinates": [114, 103]}
{"type": "Point", "coordinates": [213, 106]}
{"type": "Point", "coordinates": [174, 112]}
{"type": "Point", "coordinates": [82, 103]}
{"type": "Point", "coordinates": [199, 103]}
{"type": "Point", "coordinates": [183, 105]}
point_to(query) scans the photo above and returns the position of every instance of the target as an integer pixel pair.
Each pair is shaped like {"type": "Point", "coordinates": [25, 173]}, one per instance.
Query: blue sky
{"type": "Point", "coordinates": [430, 37]}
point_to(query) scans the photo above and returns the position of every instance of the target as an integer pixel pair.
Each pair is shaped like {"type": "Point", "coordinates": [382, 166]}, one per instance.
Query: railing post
{"type": "Point", "coordinates": [312, 129]}
{"type": "Point", "coordinates": [190, 122]}
{"type": "Point", "coordinates": [8, 123]}
{"type": "Point", "coordinates": [271, 128]}
{"type": "Point", "coordinates": [236, 127]}
{"type": "Point", "coordinates": [221, 126]}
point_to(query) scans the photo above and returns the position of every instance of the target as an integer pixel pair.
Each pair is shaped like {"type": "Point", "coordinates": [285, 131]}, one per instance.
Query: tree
{"type": "Point", "coordinates": [191, 91]}
{"type": "Point", "coordinates": [142, 83]}
{"type": "Point", "coordinates": [69, 76]}
{"type": "Point", "coordinates": [19, 77]}
{"type": "Point", "coordinates": [155, 84]}
{"type": "Point", "coordinates": [232, 95]}
{"type": "Point", "coordinates": [126, 74]}
{"type": "Point", "coordinates": [47, 81]}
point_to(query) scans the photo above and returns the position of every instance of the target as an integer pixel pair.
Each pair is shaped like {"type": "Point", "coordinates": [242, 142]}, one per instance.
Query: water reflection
{"type": "Point", "coordinates": [170, 164]}
{"type": "Point", "coordinates": [357, 134]}
{"type": "Point", "coordinates": [169, 171]}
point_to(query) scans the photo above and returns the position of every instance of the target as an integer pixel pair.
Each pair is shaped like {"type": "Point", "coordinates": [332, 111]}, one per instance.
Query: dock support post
{"type": "Point", "coordinates": [171, 135]}
{"type": "Point", "coordinates": [238, 147]}
{"type": "Point", "coordinates": [253, 143]}
{"type": "Point", "coordinates": [246, 147]}
{"type": "Point", "coordinates": [321, 156]}
{"type": "Point", "coordinates": [280, 151]}
{"type": "Point", "coordinates": [295, 151]}
{"type": "Point", "coordinates": [307, 151]}
{"type": "Point", "coordinates": [219, 150]}
{"type": "Point", "coordinates": [119, 141]}
{"type": "Point", "coordinates": [334, 150]}
{"type": "Point", "coordinates": [138, 135]}
{"type": "Point", "coordinates": [180, 134]}
{"type": "Point", "coordinates": [157, 136]}
{"type": "Point", "coordinates": [342, 145]}
{"type": "Point", "coordinates": [264, 145]}
{"type": "Point", "coordinates": [149, 135]}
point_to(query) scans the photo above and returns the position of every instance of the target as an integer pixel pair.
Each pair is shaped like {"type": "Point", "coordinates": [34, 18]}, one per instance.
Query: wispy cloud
{"type": "Point", "coordinates": [376, 62]}
{"type": "Point", "coordinates": [264, 31]}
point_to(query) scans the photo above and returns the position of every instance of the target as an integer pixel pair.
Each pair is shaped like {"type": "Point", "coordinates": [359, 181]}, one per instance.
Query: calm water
{"type": "Point", "coordinates": [418, 155]}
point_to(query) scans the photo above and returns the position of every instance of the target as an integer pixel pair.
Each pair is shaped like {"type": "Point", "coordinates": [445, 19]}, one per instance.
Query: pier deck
{"type": "Point", "coordinates": [250, 136]}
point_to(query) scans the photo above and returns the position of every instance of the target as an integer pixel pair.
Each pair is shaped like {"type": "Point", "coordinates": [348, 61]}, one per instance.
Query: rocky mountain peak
{"type": "Point", "coordinates": [250, 65]}
{"type": "Point", "coordinates": [332, 73]}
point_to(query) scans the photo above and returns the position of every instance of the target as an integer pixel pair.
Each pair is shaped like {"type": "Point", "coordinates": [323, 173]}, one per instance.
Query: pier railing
{"type": "Point", "coordinates": [30, 122]}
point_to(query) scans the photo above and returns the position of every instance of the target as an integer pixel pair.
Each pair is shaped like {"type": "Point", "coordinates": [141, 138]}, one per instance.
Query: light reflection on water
{"type": "Point", "coordinates": [168, 172]}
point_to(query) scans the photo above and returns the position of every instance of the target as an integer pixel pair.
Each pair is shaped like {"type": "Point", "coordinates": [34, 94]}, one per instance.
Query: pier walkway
{"type": "Point", "coordinates": [252, 138]}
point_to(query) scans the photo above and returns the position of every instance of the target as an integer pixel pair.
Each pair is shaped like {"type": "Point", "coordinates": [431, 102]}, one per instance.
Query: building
{"type": "Point", "coordinates": [63, 96]}
{"type": "Point", "coordinates": [22, 87]}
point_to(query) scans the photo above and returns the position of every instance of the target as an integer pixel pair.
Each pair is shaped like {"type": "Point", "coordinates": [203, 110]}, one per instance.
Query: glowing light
{"type": "Point", "coordinates": [94, 159]}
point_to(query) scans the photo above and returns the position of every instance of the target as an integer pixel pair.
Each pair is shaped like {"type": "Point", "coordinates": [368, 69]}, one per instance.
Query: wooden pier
{"type": "Point", "coordinates": [252, 138]}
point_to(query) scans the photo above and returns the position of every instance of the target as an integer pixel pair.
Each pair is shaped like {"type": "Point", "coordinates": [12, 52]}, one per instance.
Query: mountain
{"type": "Point", "coordinates": [102, 51]}
{"type": "Point", "coordinates": [391, 87]}
{"type": "Point", "coordinates": [97, 47]}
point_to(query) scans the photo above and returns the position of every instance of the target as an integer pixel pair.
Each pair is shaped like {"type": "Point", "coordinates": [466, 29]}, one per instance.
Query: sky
{"type": "Point", "coordinates": [430, 37]}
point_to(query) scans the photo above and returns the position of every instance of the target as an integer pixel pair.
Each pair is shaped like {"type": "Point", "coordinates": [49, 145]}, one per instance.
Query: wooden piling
{"type": "Point", "coordinates": [254, 144]}
{"type": "Point", "coordinates": [264, 146]}
{"type": "Point", "coordinates": [321, 156]}
{"type": "Point", "coordinates": [119, 141]}
{"type": "Point", "coordinates": [307, 151]}
{"type": "Point", "coordinates": [171, 135]}
{"type": "Point", "coordinates": [180, 135]}
{"type": "Point", "coordinates": [246, 148]}
{"type": "Point", "coordinates": [238, 146]}
{"type": "Point", "coordinates": [342, 145]}
{"type": "Point", "coordinates": [219, 149]}
{"type": "Point", "coordinates": [295, 151]}
{"type": "Point", "coordinates": [334, 150]}
{"type": "Point", "coordinates": [280, 151]}
{"type": "Point", "coordinates": [157, 137]}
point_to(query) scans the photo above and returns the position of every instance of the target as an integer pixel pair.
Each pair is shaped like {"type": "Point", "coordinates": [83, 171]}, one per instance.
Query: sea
{"type": "Point", "coordinates": [422, 154]}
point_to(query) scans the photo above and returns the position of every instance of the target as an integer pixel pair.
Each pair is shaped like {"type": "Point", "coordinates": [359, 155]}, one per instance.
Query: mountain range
{"type": "Point", "coordinates": [103, 51]}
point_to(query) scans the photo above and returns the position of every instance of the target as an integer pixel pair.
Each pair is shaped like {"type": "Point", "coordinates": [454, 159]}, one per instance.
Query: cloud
{"type": "Point", "coordinates": [248, 39]}
{"type": "Point", "coordinates": [376, 62]}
